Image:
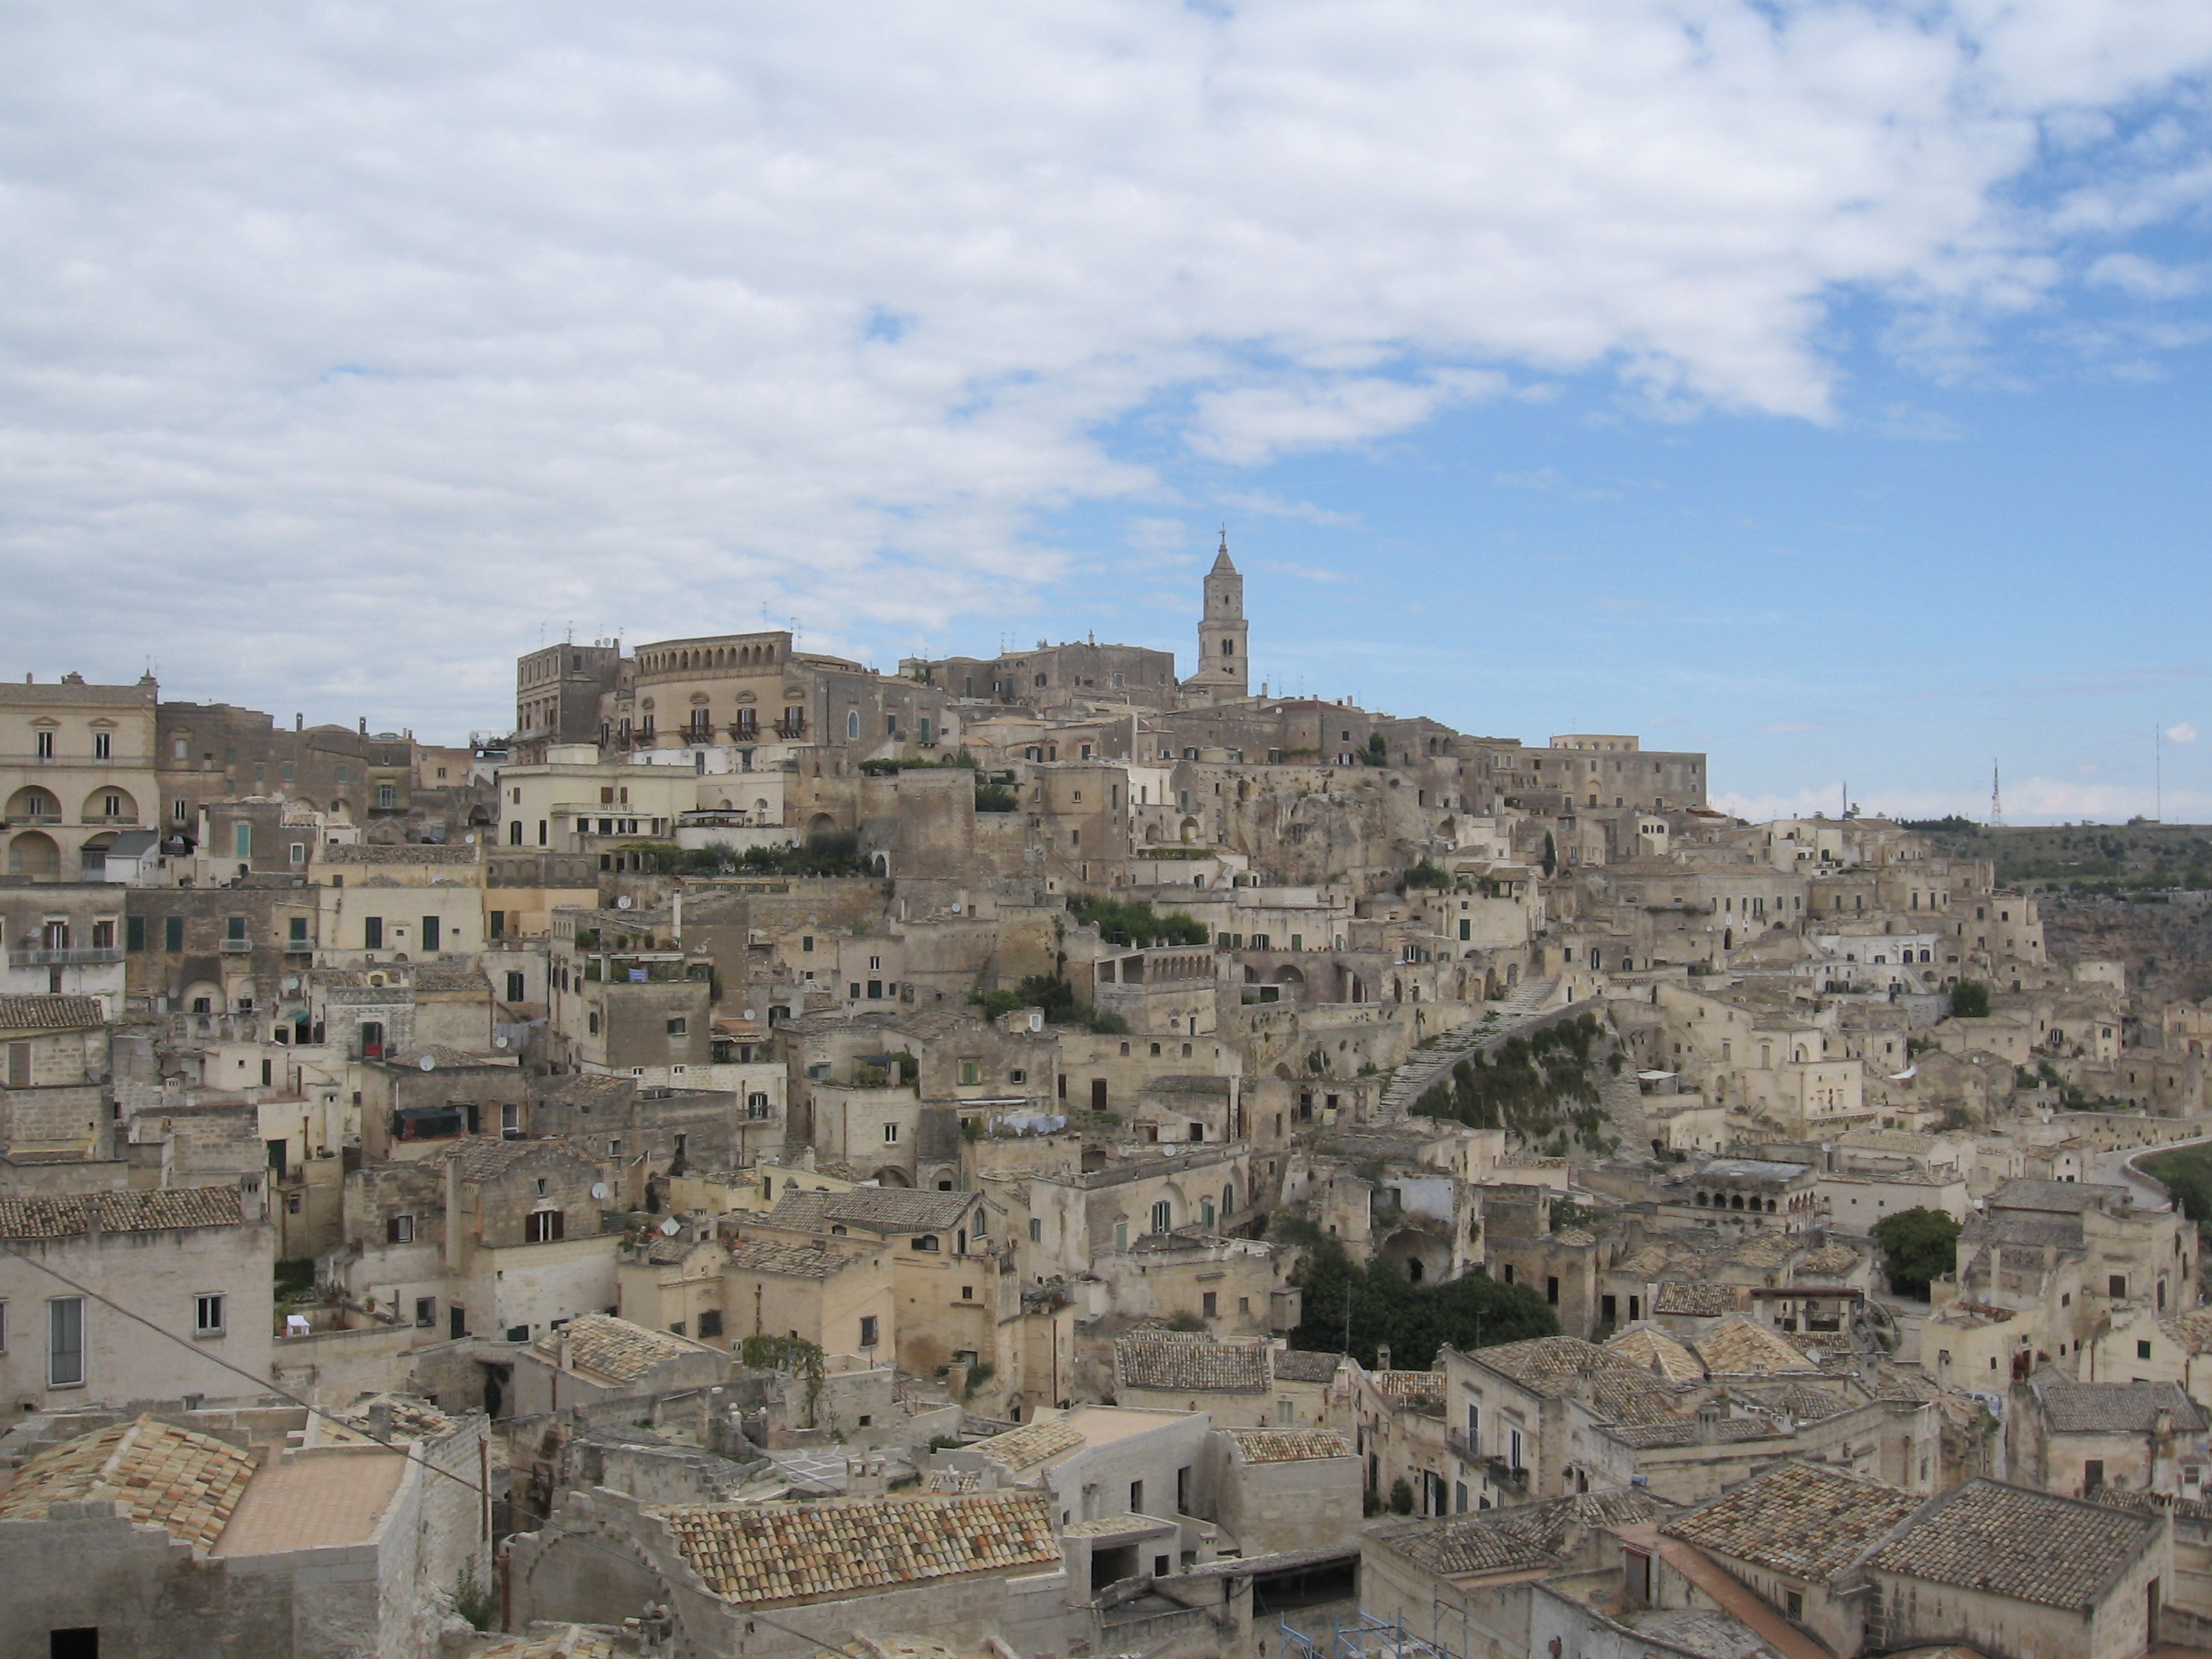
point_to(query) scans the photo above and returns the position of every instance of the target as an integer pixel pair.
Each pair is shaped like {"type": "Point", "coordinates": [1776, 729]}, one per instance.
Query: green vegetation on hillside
{"type": "Point", "coordinates": [1539, 1086]}
{"type": "Point", "coordinates": [832, 852]}
{"type": "Point", "coordinates": [1414, 1321]}
{"type": "Point", "coordinates": [2187, 1174]}
{"type": "Point", "coordinates": [2091, 860]}
{"type": "Point", "coordinates": [1134, 923]}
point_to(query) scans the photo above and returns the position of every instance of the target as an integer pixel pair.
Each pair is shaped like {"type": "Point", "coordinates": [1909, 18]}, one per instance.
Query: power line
{"type": "Point", "coordinates": [483, 1493]}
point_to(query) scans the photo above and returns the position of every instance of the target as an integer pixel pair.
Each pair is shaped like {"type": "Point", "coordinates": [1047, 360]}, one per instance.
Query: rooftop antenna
{"type": "Point", "coordinates": [570, 638]}
{"type": "Point", "coordinates": [1997, 800]}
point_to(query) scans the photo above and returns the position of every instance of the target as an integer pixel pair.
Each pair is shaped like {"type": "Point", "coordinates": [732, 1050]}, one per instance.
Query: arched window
{"type": "Point", "coordinates": [852, 722]}
{"type": "Point", "coordinates": [925, 1242]}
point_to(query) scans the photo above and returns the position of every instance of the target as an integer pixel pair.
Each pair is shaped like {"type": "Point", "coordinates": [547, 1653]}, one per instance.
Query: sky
{"type": "Point", "coordinates": [1823, 386]}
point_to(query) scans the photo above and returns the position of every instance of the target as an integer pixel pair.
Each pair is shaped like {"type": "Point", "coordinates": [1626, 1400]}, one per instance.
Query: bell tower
{"type": "Point", "coordinates": [1222, 672]}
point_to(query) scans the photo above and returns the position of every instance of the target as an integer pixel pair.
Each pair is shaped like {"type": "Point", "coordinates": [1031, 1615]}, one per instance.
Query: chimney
{"type": "Point", "coordinates": [1382, 1355]}
{"type": "Point", "coordinates": [380, 1419]}
{"type": "Point", "coordinates": [364, 725]}
{"type": "Point", "coordinates": [299, 722]}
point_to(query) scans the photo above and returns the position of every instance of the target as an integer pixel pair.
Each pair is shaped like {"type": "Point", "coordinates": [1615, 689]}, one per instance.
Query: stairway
{"type": "Point", "coordinates": [1431, 1064]}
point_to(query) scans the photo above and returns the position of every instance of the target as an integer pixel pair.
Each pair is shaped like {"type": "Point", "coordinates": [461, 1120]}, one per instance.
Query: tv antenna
{"type": "Point", "coordinates": [1997, 800]}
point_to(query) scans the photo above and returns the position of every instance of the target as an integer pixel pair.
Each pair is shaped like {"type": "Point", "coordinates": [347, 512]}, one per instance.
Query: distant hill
{"type": "Point", "coordinates": [2120, 860]}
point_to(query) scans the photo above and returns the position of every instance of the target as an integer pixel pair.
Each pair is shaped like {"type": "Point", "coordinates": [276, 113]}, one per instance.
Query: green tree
{"type": "Point", "coordinates": [1917, 1246]}
{"type": "Point", "coordinates": [1412, 1321]}
{"type": "Point", "coordinates": [1551, 854]}
{"type": "Point", "coordinates": [1970, 999]}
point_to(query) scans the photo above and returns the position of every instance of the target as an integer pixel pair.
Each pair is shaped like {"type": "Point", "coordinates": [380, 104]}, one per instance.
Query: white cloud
{"type": "Point", "coordinates": [343, 347]}
{"type": "Point", "coordinates": [2184, 733]}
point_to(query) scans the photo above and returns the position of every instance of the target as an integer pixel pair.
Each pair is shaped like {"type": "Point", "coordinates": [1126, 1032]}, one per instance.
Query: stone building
{"type": "Point", "coordinates": [77, 769]}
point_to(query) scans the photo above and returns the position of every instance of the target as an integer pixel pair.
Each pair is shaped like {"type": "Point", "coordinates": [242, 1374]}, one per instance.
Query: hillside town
{"type": "Point", "coordinates": [1057, 1154]}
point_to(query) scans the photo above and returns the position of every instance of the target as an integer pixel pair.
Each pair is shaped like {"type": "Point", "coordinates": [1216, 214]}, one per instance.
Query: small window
{"type": "Point", "coordinates": [65, 1342]}
{"type": "Point", "coordinates": [543, 1227]}
{"type": "Point", "coordinates": [710, 1322]}
{"type": "Point", "coordinates": [426, 1312]}
{"type": "Point", "coordinates": [399, 1230]}
{"type": "Point", "coordinates": [967, 1292]}
{"type": "Point", "coordinates": [868, 1330]}
{"type": "Point", "coordinates": [925, 1242]}
{"type": "Point", "coordinates": [1036, 1230]}
{"type": "Point", "coordinates": [2143, 1350]}
{"type": "Point", "coordinates": [678, 1025]}
{"type": "Point", "coordinates": [891, 1134]}
{"type": "Point", "coordinates": [207, 1316]}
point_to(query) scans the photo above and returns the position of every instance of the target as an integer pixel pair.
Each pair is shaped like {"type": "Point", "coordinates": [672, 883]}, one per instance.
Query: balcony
{"type": "Point", "coordinates": [63, 955]}
{"type": "Point", "coordinates": [299, 947]}
{"type": "Point", "coordinates": [233, 946]}
{"type": "Point", "coordinates": [1457, 1441]}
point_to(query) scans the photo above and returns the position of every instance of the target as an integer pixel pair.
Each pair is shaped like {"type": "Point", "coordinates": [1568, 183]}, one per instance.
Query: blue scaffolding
{"type": "Point", "coordinates": [1362, 1637]}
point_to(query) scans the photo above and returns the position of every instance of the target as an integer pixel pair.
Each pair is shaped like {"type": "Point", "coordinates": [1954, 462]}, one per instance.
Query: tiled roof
{"type": "Point", "coordinates": [49, 1013]}
{"type": "Point", "coordinates": [1696, 1298]}
{"type": "Point", "coordinates": [1416, 1389]}
{"type": "Point", "coordinates": [1031, 1444]}
{"type": "Point", "coordinates": [1829, 1261]}
{"type": "Point", "coordinates": [1180, 1363]}
{"type": "Point", "coordinates": [1804, 1401]}
{"type": "Point", "coordinates": [550, 1641]}
{"type": "Point", "coordinates": [156, 1209]}
{"type": "Point", "coordinates": [1644, 1261]}
{"type": "Point", "coordinates": [187, 1483]}
{"type": "Point", "coordinates": [1554, 1366]}
{"type": "Point", "coordinates": [2009, 1541]}
{"type": "Point", "coordinates": [1304, 1366]}
{"type": "Point", "coordinates": [1289, 1445]}
{"type": "Point", "coordinates": [1547, 1525]}
{"type": "Point", "coordinates": [1803, 1520]}
{"type": "Point", "coordinates": [2192, 1330]}
{"type": "Point", "coordinates": [2064, 1197]}
{"type": "Point", "coordinates": [769, 1554]}
{"type": "Point", "coordinates": [1743, 1347]}
{"type": "Point", "coordinates": [412, 1417]}
{"type": "Point", "coordinates": [1466, 1544]}
{"type": "Point", "coordinates": [2115, 1408]}
{"type": "Point", "coordinates": [879, 1209]}
{"type": "Point", "coordinates": [612, 1348]}
{"type": "Point", "coordinates": [1650, 1348]}
{"type": "Point", "coordinates": [1675, 1430]}
{"type": "Point", "coordinates": [762, 1255]}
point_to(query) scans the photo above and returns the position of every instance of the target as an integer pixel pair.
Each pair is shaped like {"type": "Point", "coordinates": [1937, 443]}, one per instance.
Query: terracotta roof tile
{"type": "Point", "coordinates": [49, 1013]}
{"type": "Point", "coordinates": [603, 1345]}
{"type": "Point", "coordinates": [773, 1554]}
{"type": "Point", "coordinates": [1653, 1350]}
{"type": "Point", "coordinates": [187, 1483]}
{"type": "Point", "coordinates": [1803, 1520]}
{"type": "Point", "coordinates": [1175, 1363]}
{"type": "Point", "coordinates": [762, 1255]}
{"type": "Point", "coordinates": [1031, 1444]}
{"type": "Point", "coordinates": [1289, 1445]}
{"type": "Point", "coordinates": [1738, 1346]}
{"type": "Point", "coordinates": [156, 1209]}
{"type": "Point", "coordinates": [2010, 1541]}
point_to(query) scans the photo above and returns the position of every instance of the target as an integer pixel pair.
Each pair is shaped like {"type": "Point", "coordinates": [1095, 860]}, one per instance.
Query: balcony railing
{"type": "Point", "coordinates": [233, 946]}
{"type": "Point", "coordinates": [299, 947]}
{"type": "Point", "coordinates": [63, 955]}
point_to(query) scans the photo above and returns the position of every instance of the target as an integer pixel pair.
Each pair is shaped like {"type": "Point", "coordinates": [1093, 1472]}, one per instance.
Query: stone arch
{"type": "Point", "coordinates": [92, 857]}
{"type": "Point", "coordinates": [1188, 830]}
{"type": "Point", "coordinates": [32, 853]}
{"type": "Point", "coordinates": [34, 802]}
{"type": "Point", "coordinates": [822, 824]}
{"type": "Point", "coordinates": [1151, 835]}
{"type": "Point", "coordinates": [96, 805]}
{"type": "Point", "coordinates": [892, 1176]}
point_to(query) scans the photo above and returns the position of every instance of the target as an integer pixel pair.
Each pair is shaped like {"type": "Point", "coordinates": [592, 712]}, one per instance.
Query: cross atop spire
{"type": "Point", "coordinates": [1221, 559]}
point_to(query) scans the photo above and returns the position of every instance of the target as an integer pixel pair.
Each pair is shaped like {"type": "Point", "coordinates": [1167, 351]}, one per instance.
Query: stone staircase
{"type": "Point", "coordinates": [1433, 1064]}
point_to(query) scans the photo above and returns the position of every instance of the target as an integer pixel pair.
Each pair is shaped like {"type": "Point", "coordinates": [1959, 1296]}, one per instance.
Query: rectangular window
{"type": "Point", "coordinates": [1036, 1230]}
{"type": "Point", "coordinates": [1136, 1498]}
{"type": "Point", "coordinates": [891, 1133]}
{"type": "Point", "coordinates": [426, 1312]}
{"type": "Point", "coordinates": [65, 1342]}
{"type": "Point", "coordinates": [207, 1316]}
{"type": "Point", "coordinates": [103, 745]}
{"type": "Point", "coordinates": [233, 928]}
{"type": "Point", "coordinates": [2143, 1350]}
{"type": "Point", "coordinates": [387, 795]}
{"type": "Point", "coordinates": [514, 987]}
{"type": "Point", "coordinates": [1209, 1305]}
{"type": "Point", "coordinates": [867, 1330]}
{"type": "Point", "coordinates": [19, 1065]}
{"type": "Point", "coordinates": [429, 933]}
{"type": "Point", "coordinates": [372, 933]}
{"type": "Point", "coordinates": [1162, 1215]}
{"type": "Point", "coordinates": [241, 841]}
{"type": "Point", "coordinates": [103, 936]}
{"type": "Point", "coordinates": [710, 1322]}
{"type": "Point", "coordinates": [543, 1227]}
{"type": "Point", "coordinates": [45, 745]}
{"type": "Point", "coordinates": [971, 1071]}
{"type": "Point", "coordinates": [399, 1230]}
{"type": "Point", "coordinates": [299, 854]}
{"type": "Point", "coordinates": [173, 932]}
{"type": "Point", "coordinates": [134, 933]}
{"type": "Point", "coordinates": [678, 1025]}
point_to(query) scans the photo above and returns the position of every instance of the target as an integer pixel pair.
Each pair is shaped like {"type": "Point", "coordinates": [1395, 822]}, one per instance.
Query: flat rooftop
{"type": "Point", "coordinates": [313, 1500]}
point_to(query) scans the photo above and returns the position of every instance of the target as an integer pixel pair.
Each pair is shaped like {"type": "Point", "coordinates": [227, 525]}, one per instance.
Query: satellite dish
{"type": "Point", "coordinates": [670, 1227]}
{"type": "Point", "coordinates": [499, 1042]}
{"type": "Point", "coordinates": [598, 1189]}
{"type": "Point", "coordinates": [622, 904]}
{"type": "Point", "coordinates": [750, 1015]}
{"type": "Point", "coordinates": [428, 1063]}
